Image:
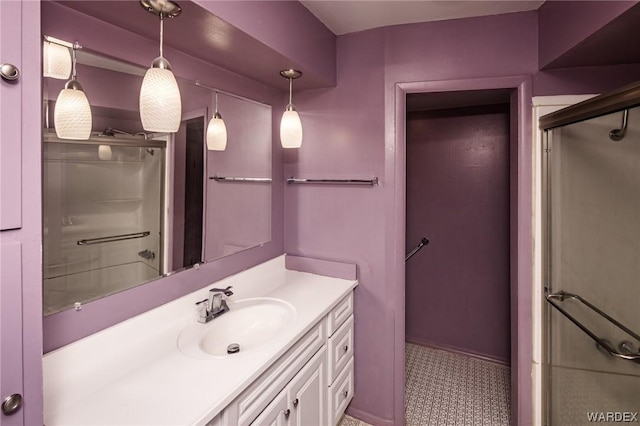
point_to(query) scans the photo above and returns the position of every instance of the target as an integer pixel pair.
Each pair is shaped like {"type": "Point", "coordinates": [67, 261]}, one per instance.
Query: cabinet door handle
{"type": "Point", "coordinates": [345, 393]}
{"type": "Point", "coordinates": [345, 348]}
{"type": "Point", "coordinates": [295, 403]}
{"type": "Point", "coordinates": [287, 413]}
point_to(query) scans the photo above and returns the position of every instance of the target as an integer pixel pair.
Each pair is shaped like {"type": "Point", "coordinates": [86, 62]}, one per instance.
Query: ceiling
{"type": "Point", "coordinates": [348, 16]}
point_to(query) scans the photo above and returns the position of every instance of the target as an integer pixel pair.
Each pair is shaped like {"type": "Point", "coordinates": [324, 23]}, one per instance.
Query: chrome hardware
{"type": "Point", "coordinates": [287, 413]}
{"type": "Point", "coordinates": [345, 348]}
{"type": "Point", "coordinates": [147, 254]}
{"type": "Point", "coordinates": [214, 305]}
{"type": "Point", "coordinates": [602, 344]}
{"type": "Point", "coordinates": [9, 72]}
{"type": "Point", "coordinates": [295, 403]}
{"type": "Point", "coordinates": [239, 179]}
{"type": "Point", "coordinates": [617, 135]}
{"type": "Point", "coordinates": [371, 182]}
{"type": "Point", "coordinates": [12, 404]}
{"type": "Point", "coordinates": [233, 348]}
{"type": "Point", "coordinates": [345, 393]}
{"type": "Point", "coordinates": [423, 242]}
{"type": "Point", "coordinates": [77, 306]}
{"type": "Point", "coordinates": [113, 238]}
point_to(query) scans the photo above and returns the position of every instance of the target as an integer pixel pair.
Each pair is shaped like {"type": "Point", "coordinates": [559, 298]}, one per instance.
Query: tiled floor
{"type": "Point", "coordinates": [445, 388]}
{"type": "Point", "coordinates": [448, 389]}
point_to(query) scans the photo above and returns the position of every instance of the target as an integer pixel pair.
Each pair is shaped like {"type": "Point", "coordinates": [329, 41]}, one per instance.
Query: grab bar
{"type": "Point", "coordinates": [113, 238]}
{"type": "Point", "coordinates": [417, 248]}
{"type": "Point", "coordinates": [239, 179]}
{"type": "Point", "coordinates": [603, 343]}
{"type": "Point", "coordinates": [371, 182]}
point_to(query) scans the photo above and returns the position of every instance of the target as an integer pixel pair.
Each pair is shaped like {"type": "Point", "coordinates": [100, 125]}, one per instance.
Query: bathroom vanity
{"type": "Point", "coordinates": [294, 366]}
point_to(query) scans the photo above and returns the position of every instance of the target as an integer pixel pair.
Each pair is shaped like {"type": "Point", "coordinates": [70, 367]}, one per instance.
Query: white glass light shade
{"type": "Point", "coordinates": [56, 61]}
{"type": "Point", "coordinates": [291, 129]}
{"type": "Point", "coordinates": [160, 104]}
{"type": "Point", "coordinates": [104, 152]}
{"type": "Point", "coordinates": [216, 134]}
{"type": "Point", "coordinates": [72, 115]}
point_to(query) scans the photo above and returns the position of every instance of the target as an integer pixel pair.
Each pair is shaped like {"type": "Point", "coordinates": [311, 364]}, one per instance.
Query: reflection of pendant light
{"type": "Point", "coordinates": [72, 116]}
{"type": "Point", "coordinates": [216, 131]}
{"type": "Point", "coordinates": [104, 152]}
{"type": "Point", "coordinates": [290, 125]}
{"type": "Point", "coordinates": [56, 60]}
{"type": "Point", "coordinates": [160, 103]}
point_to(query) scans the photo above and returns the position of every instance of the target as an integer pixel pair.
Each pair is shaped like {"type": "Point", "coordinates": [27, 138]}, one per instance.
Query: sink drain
{"type": "Point", "coordinates": [233, 348]}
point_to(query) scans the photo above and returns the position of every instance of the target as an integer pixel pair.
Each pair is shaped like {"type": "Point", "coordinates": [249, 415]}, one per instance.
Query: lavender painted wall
{"type": "Point", "coordinates": [457, 288]}
{"type": "Point", "coordinates": [65, 327]}
{"type": "Point", "coordinates": [565, 24]}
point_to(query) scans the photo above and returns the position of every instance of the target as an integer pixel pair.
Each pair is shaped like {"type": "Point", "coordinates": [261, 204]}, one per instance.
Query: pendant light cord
{"type": "Point", "coordinates": [161, 33]}
{"type": "Point", "coordinates": [73, 61]}
{"type": "Point", "coordinates": [216, 101]}
{"type": "Point", "coordinates": [290, 89]}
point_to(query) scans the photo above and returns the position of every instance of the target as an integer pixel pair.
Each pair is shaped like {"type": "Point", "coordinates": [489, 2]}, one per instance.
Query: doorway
{"type": "Point", "coordinates": [520, 213]}
{"type": "Point", "coordinates": [457, 322]}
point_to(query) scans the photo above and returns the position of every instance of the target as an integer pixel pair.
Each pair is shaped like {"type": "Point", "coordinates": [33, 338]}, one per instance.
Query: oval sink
{"type": "Point", "coordinates": [250, 323]}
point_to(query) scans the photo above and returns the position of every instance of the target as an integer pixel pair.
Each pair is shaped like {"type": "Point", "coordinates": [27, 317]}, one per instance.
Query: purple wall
{"type": "Point", "coordinates": [457, 288]}
{"type": "Point", "coordinates": [566, 24]}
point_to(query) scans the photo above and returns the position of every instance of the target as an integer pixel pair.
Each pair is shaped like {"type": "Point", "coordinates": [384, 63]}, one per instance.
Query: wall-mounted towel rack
{"type": "Point", "coordinates": [423, 242]}
{"type": "Point", "coordinates": [239, 179]}
{"type": "Point", "coordinates": [370, 182]}
{"type": "Point", "coordinates": [113, 238]}
{"type": "Point", "coordinates": [602, 343]}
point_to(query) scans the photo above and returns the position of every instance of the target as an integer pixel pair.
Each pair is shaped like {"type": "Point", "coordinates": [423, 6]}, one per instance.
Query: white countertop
{"type": "Point", "coordinates": [134, 374]}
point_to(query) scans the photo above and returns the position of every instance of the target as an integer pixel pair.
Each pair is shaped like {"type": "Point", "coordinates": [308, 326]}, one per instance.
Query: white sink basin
{"type": "Point", "coordinates": [249, 323]}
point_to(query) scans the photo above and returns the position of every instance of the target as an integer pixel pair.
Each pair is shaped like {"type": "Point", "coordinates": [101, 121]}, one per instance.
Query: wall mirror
{"type": "Point", "coordinates": [126, 206]}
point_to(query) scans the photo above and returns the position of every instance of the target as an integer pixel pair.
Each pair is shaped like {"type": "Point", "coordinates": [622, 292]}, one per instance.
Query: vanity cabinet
{"type": "Point", "coordinates": [311, 384]}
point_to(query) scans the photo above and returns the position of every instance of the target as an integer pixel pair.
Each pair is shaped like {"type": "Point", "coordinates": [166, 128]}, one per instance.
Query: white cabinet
{"type": "Point", "coordinates": [310, 385]}
{"type": "Point", "coordinates": [303, 401]}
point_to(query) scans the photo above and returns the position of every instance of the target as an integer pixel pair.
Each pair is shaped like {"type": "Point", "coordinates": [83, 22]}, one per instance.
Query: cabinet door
{"type": "Point", "coordinates": [10, 328]}
{"type": "Point", "coordinates": [277, 412]}
{"type": "Point", "coordinates": [308, 392]}
{"type": "Point", "coordinates": [10, 118]}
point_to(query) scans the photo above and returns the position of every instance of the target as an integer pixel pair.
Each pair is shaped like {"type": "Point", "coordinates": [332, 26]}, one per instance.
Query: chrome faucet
{"type": "Point", "coordinates": [215, 305]}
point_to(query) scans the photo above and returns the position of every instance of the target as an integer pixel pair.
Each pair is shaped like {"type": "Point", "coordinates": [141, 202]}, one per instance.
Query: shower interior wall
{"type": "Point", "coordinates": [458, 287]}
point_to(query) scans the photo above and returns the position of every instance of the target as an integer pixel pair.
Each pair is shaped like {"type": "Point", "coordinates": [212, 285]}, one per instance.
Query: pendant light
{"type": "Point", "coordinates": [290, 125]}
{"type": "Point", "coordinates": [72, 116]}
{"type": "Point", "coordinates": [160, 103]}
{"type": "Point", "coordinates": [56, 59]}
{"type": "Point", "coordinates": [216, 131]}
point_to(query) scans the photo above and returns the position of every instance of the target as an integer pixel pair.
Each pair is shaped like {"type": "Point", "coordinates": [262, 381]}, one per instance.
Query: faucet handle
{"type": "Point", "coordinates": [226, 291]}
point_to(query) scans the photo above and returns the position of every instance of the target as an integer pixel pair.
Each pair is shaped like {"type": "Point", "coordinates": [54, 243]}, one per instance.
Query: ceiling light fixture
{"type": "Point", "coordinates": [290, 125]}
{"type": "Point", "coordinates": [160, 103]}
{"type": "Point", "coordinates": [216, 131]}
{"type": "Point", "coordinates": [72, 116]}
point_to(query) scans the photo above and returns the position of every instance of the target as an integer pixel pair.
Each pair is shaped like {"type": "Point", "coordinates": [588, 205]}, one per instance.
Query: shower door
{"type": "Point", "coordinates": [592, 197]}
{"type": "Point", "coordinates": [103, 212]}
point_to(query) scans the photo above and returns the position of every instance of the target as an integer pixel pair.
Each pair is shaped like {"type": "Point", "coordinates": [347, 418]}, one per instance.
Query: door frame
{"type": "Point", "coordinates": [521, 240]}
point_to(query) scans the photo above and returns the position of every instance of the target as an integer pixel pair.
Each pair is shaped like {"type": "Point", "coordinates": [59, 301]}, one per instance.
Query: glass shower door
{"type": "Point", "coordinates": [102, 219]}
{"type": "Point", "coordinates": [593, 271]}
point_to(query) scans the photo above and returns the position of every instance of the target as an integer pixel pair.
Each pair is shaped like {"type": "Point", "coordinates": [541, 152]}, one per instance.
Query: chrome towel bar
{"type": "Point", "coordinates": [423, 242]}
{"type": "Point", "coordinates": [602, 343]}
{"type": "Point", "coordinates": [239, 179]}
{"type": "Point", "coordinates": [113, 238]}
{"type": "Point", "coordinates": [370, 182]}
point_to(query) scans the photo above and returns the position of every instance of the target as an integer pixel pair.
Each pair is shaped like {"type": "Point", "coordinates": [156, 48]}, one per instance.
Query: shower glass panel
{"type": "Point", "coordinates": [102, 218]}
{"type": "Point", "coordinates": [593, 251]}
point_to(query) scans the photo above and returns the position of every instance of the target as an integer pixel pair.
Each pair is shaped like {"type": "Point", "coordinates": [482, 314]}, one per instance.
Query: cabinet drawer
{"type": "Point", "coordinates": [339, 314]}
{"type": "Point", "coordinates": [341, 393]}
{"type": "Point", "coordinates": [259, 394]}
{"type": "Point", "coordinates": [340, 349]}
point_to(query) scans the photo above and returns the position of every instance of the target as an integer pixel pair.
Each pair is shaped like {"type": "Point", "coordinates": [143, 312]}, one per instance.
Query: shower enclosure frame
{"type": "Point", "coordinates": [622, 99]}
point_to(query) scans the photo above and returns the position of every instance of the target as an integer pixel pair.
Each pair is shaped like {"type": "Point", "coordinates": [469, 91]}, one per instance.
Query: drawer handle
{"type": "Point", "coordinates": [345, 348]}
{"type": "Point", "coordinates": [295, 403]}
{"type": "Point", "coordinates": [345, 393]}
{"type": "Point", "coordinates": [287, 413]}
